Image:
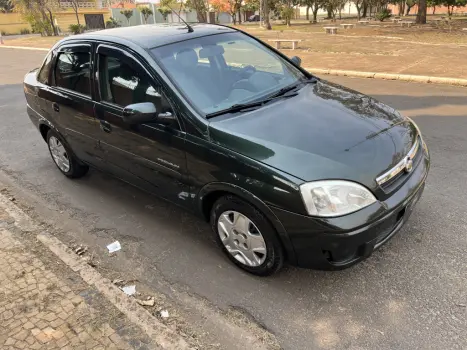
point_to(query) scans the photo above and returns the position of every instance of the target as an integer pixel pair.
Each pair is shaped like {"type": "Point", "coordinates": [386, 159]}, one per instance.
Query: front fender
{"type": "Point", "coordinates": [253, 200]}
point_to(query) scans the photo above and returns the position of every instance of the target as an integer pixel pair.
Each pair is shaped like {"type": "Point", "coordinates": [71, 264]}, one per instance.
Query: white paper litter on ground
{"type": "Point", "coordinates": [113, 247]}
{"type": "Point", "coordinates": [164, 314]}
{"type": "Point", "coordinates": [129, 290]}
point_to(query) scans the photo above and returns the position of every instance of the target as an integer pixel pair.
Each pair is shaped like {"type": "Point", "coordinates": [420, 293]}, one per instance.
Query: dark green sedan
{"type": "Point", "coordinates": [284, 166]}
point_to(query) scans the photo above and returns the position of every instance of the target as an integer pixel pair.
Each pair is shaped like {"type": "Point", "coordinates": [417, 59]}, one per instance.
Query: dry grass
{"type": "Point", "coordinates": [432, 49]}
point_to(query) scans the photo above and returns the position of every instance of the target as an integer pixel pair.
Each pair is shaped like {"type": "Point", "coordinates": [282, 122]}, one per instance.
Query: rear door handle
{"type": "Point", "coordinates": [105, 126]}
{"type": "Point", "coordinates": [56, 107]}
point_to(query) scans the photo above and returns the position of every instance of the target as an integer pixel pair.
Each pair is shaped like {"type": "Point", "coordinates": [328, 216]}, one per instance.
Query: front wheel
{"type": "Point", "coordinates": [63, 157]}
{"type": "Point", "coordinates": [246, 236]}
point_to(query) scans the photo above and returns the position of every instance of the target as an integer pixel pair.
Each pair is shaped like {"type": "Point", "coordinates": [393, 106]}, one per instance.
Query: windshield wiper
{"type": "Point", "coordinates": [237, 108]}
{"type": "Point", "coordinates": [279, 94]}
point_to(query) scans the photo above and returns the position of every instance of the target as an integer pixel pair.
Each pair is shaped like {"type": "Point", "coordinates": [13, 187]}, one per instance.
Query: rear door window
{"type": "Point", "coordinates": [73, 71]}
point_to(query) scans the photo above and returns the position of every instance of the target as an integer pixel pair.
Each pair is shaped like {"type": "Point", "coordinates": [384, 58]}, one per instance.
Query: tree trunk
{"type": "Point", "coordinates": [201, 16]}
{"type": "Point", "coordinates": [239, 16]}
{"type": "Point", "coordinates": [365, 9]}
{"type": "Point", "coordinates": [408, 10]}
{"type": "Point", "coordinates": [315, 14]}
{"type": "Point", "coordinates": [51, 17]}
{"type": "Point", "coordinates": [421, 14]}
{"type": "Point", "coordinates": [267, 23]}
{"type": "Point", "coordinates": [308, 13]}
{"type": "Point", "coordinates": [358, 11]}
{"type": "Point", "coordinates": [340, 15]}
{"type": "Point", "coordinates": [434, 10]}
{"type": "Point", "coordinates": [330, 14]}
{"type": "Point", "coordinates": [76, 13]}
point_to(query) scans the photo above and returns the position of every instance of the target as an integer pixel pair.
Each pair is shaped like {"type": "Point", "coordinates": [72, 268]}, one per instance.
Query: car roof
{"type": "Point", "coordinates": [153, 35]}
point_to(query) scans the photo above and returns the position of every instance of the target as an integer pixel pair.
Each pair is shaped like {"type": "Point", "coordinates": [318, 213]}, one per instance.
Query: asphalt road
{"type": "Point", "coordinates": [411, 294]}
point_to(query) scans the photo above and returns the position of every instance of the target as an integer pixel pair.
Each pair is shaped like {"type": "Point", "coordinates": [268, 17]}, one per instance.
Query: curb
{"type": "Point", "coordinates": [390, 76]}
{"type": "Point", "coordinates": [345, 73]}
{"type": "Point", "coordinates": [23, 48]}
{"type": "Point", "coordinates": [164, 336]}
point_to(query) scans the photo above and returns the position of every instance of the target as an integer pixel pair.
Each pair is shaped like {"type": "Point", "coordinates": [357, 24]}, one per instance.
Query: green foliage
{"type": "Point", "coordinates": [164, 11]}
{"type": "Point", "coordinates": [128, 14]}
{"type": "Point", "coordinates": [77, 28]}
{"type": "Point", "coordinates": [25, 31]}
{"type": "Point", "coordinates": [450, 4]}
{"type": "Point", "coordinates": [112, 23]}
{"type": "Point", "coordinates": [146, 12]}
{"type": "Point", "coordinates": [6, 6]}
{"type": "Point", "coordinates": [383, 14]}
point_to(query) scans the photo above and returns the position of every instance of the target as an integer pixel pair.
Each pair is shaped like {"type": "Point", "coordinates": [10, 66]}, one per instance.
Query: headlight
{"type": "Point", "coordinates": [419, 134]}
{"type": "Point", "coordinates": [335, 197]}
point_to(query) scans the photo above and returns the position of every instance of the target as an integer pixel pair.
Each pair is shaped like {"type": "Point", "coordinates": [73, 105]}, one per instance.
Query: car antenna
{"type": "Point", "coordinates": [190, 28]}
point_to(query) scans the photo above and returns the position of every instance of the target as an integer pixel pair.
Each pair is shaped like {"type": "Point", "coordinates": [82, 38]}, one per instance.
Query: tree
{"type": "Point", "coordinates": [164, 11]}
{"type": "Point", "coordinates": [433, 4]}
{"type": "Point", "coordinates": [358, 5]}
{"type": "Point", "coordinates": [75, 6]}
{"type": "Point", "coordinates": [421, 13]}
{"type": "Point", "coordinates": [146, 12]}
{"type": "Point", "coordinates": [410, 4]}
{"type": "Point", "coordinates": [6, 6]}
{"type": "Point", "coordinates": [38, 13]}
{"type": "Point", "coordinates": [334, 7]}
{"type": "Point", "coordinates": [219, 6]}
{"type": "Point", "coordinates": [265, 17]}
{"type": "Point", "coordinates": [201, 8]}
{"type": "Point", "coordinates": [128, 14]}
{"type": "Point", "coordinates": [450, 4]}
{"type": "Point", "coordinates": [314, 5]}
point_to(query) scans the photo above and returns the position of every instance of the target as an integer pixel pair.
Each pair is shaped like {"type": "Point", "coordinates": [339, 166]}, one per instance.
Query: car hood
{"type": "Point", "coordinates": [325, 132]}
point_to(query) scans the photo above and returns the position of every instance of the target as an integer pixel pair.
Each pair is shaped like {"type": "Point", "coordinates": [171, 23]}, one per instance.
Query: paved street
{"type": "Point", "coordinates": [411, 294]}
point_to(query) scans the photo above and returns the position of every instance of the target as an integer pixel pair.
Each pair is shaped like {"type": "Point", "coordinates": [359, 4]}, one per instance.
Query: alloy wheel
{"type": "Point", "coordinates": [241, 238]}
{"type": "Point", "coordinates": [59, 154]}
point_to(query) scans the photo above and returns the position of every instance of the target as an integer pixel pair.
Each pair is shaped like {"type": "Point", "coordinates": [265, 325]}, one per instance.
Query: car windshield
{"type": "Point", "coordinates": [219, 71]}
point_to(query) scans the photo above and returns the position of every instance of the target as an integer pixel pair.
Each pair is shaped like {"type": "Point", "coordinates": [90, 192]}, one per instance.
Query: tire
{"type": "Point", "coordinates": [63, 157]}
{"type": "Point", "coordinates": [227, 214]}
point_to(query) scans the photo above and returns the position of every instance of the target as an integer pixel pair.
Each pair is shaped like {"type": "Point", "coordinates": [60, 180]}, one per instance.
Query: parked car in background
{"type": "Point", "coordinates": [284, 165]}
{"type": "Point", "coordinates": [253, 18]}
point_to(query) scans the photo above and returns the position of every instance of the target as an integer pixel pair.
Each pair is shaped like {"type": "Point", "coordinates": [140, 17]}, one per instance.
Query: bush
{"type": "Point", "coordinates": [3, 33]}
{"type": "Point", "coordinates": [112, 23]}
{"type": "Point", "coordinates": [25, 31]}
{"type": "Point", "coordinates": [77, 28]}
{"type": "Point", "coordinates": [383, 14]}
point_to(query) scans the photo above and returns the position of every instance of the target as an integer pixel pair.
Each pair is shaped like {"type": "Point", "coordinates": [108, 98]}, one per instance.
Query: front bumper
{"type": "Point", "coordinates": [337, 243]}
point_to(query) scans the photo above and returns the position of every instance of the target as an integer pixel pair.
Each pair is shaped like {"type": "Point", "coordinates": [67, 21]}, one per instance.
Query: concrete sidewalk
{"type": "Point", "coordinates": [45, 305]}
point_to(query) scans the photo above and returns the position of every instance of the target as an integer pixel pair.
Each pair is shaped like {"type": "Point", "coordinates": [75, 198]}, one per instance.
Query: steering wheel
{"type": "Point", "coordinates": [246, 72]}
{"type": "Point", "coordinates": [243, 82]}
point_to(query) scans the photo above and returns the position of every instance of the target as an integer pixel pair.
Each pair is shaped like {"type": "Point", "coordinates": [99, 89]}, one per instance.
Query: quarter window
{"type": "Point", "coordinates": [73, 72]}
{"type": "Point", "coordinates": [123, 84]}
{"type": "Point", "coordinates": [43, 76]}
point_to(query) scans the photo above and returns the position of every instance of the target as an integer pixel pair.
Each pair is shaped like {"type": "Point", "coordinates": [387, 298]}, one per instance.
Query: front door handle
{"type": "Point", "coordinates": [56, 107]}
{"type": "Point", "coordinates": [105, 126]}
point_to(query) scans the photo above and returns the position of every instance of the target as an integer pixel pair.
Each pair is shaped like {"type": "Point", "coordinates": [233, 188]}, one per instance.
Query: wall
{"type": "Point", "coordinates": [12, 23]}
{"type": "Point", "coordinates": [65, 18]}
{"type": "Point", "coordinates": [137, 19]}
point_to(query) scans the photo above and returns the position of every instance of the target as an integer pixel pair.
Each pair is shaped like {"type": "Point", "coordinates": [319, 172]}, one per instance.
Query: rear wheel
{"type": "Point", "coordinates": [63, 157]}
{"type": "Point", "coordinates": [246, 236]}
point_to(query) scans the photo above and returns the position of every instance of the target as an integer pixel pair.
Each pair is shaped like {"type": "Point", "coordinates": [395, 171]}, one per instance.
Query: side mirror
{"type": "Point", "coordinates": [296, 60]}
{"type": "Point", "coordinates": [144, 112]}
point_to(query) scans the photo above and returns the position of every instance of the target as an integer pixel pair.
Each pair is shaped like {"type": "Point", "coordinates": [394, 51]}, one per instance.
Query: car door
{"type": "Point", "coordinates": [71, 100]}
{"type": "Point", "coordinates": [149, 155]}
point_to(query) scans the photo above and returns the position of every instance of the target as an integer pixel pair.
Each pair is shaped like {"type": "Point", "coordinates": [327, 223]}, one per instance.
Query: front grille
{"type": "Point", "coordinates": [397, 175]}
